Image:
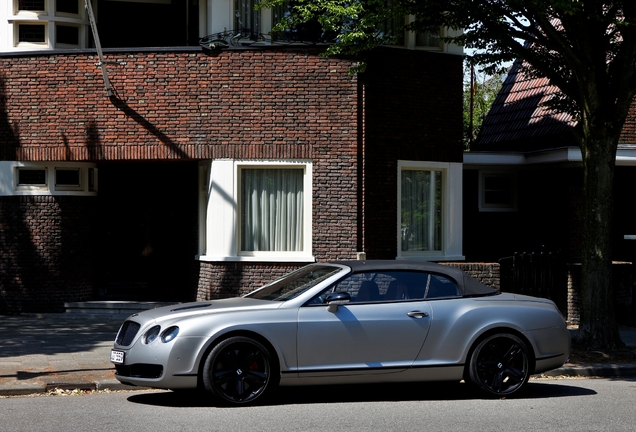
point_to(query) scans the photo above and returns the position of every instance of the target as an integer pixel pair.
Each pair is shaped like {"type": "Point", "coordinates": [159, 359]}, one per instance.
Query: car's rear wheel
{"type": "Point", "coordinates": [238, 370]}
{"type": "Point", "coordinates": [500, 365]}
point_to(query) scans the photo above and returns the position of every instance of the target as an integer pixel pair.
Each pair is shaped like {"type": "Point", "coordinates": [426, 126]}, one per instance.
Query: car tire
{"type": "Point", "coordinates": [500, 365]}
{"type": "Point", "coordinates": [238, 371]}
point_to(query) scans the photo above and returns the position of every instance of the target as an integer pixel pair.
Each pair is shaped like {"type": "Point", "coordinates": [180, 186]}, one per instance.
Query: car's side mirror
{"type": "Point", "coordinates": [335, 299]}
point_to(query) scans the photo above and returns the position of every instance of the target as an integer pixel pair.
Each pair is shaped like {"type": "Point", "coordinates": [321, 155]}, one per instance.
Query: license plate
{"type": "Point", "coordinates": [117, 356]}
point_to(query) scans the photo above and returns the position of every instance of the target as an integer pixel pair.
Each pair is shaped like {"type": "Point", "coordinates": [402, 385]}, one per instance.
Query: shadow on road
{"type": "Point", "coordinates": [363, 393]}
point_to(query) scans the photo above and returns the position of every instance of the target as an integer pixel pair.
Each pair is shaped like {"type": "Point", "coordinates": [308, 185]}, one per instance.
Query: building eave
{"type": "Point", "coordinates": [625, 156]}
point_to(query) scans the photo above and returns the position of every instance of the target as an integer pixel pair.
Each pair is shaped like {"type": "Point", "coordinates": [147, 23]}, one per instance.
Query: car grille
{"type": "Point", "coordinates": [139, 370]}
{"type": "Point", "coordinates": [127, 333]}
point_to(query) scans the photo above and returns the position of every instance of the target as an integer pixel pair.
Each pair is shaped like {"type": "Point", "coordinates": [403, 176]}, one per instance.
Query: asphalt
{"type": "Point", "coordinates": [41, 353]}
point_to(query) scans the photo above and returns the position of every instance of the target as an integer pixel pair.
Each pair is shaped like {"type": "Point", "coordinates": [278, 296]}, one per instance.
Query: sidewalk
{"type": "Point", "coordinates": [42, 352]}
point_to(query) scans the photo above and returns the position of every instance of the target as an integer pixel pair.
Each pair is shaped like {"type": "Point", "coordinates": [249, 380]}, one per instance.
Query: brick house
{"type": "Point", "coordinates": [156, 192]}
{"type": "Point", "coordinates": [523, 180]}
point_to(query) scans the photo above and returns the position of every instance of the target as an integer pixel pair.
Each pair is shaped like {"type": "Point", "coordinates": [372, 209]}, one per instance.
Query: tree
{"type": "Point", "coordinates": [586, 48]}
{"type": "Point", "coordinates": [480, 91]}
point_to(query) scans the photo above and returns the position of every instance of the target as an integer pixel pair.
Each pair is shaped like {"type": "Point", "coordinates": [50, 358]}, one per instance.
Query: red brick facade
{"type": "Point", "coordinates": [46, 252]}
{"type": "Point", "coordinates": [183, 105]}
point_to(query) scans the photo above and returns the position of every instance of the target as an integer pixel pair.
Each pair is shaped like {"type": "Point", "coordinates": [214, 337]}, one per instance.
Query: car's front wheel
{"type": "Point", "coordinates": [238, 370]}
{"type": "Point", "coordinates": [500, 365]}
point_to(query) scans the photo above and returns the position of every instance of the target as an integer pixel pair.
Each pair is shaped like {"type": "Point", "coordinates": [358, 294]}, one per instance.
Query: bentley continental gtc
{"type": "Point", "coordinates": [345, 322]}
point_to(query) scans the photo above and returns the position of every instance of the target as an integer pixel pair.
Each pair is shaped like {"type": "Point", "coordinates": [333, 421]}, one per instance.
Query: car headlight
{"type": "Point", "coordinates": [151, 335]}
{"type": "Point", "coordinates": [169, 334]}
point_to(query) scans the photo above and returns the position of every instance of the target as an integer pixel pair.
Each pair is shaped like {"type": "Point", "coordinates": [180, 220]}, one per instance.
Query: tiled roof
{"type": "Point", "coordinates": [518, 120]}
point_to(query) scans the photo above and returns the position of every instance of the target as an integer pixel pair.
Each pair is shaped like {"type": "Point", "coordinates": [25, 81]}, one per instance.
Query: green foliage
{"type": "Point", "coordinates": [353, 25]}
{"type": "Point", "coordinates": [484, 90]}
{"type": "Point", "coordinates": [568, 41]}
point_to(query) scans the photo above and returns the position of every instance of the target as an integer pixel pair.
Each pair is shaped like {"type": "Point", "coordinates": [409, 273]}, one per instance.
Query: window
{"type": "Point", "coordinates": [394, 28]}
{"type": "Point", "coordinates": [383, 286]}
{"type": "Point", "coordinates": [68, 179]}
{"type": "Point", "coordinates": [271, 209]}
{"type": "Point", "coordinates": [31, 177]}
{"type": "Point", "coordinates": [47, 178]}
{"type": "Point", "coordinates": [68, 7]}
{"type": "Point", "coordinates": [247, 20]}
{"type": "Point", "coordinates": [32, 33]}
{"type": "Point", "coordinates": [421, 210]}
{"type": "Point", "coordinates": [429, 210]}
{"type": "Point", "coordinates": [295, 283]}
{"type": "Point", "coordinates": [67, 35]}
{"type": "Point", "coordinates": [92, 179]}
{"type": "Point", "coordinates": [255, 211]}
{"type": "Point", "coordinates": [31, 5]}
{"type": "Point", "coordinates": [47, 24]}
{"type": "Point", "coordinates": [392, 286]}
{"type": "Point", "coordinates": [429, 40]}
{"type": "Point", "coordinates": [497, 191]}
{"type": "Point", "coordinates": [279, 12]}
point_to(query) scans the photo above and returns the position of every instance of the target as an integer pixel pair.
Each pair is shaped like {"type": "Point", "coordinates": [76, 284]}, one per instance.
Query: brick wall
{"type": "Point", "coordinates": [486, 273]}
{"type": "Point", "coordinates": [177, 105]}
{"type": "Point", "coordinates": [186, 105]}
{"type": "Point", "coordinates": [46, 255]}
{"type": "Point", "coordinates": [222, 280]}
{"type": "Point", "coordinates": [413, 106]}
{"type": "Point", "coordinates": [623, 293]}
{"type": "Point", "coordinates": [268, 104]}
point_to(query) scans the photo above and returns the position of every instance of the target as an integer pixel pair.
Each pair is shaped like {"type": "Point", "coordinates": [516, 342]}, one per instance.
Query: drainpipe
{"type": "Point", "coordinates": [98, 47]}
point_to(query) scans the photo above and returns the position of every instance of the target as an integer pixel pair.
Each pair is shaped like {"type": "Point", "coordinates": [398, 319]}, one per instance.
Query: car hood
{"type": "Point", "coordinates": [186, 310]}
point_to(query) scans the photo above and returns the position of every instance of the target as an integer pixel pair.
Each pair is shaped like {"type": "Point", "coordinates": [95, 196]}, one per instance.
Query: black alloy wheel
{"type": "Point", "coordinates": [238, 370]}
{"type": "Point", "coordinates": [500, 365]}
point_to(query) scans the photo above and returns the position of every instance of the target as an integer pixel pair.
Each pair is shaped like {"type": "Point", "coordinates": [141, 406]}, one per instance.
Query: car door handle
{"type": "Point", "coordinates": [417, 314]}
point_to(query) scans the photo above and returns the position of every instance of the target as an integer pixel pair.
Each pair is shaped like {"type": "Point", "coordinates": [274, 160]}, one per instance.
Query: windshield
{"type": "Point", "coordinates": [295, 283]}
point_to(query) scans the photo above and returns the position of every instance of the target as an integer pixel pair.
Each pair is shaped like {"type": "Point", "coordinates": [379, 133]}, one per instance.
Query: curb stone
{"type": "Point", "coordinates": [594, 370]}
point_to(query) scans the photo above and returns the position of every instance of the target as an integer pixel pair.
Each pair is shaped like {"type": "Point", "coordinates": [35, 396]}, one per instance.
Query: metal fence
{"type": "Point", "coordinates": [540, 274]}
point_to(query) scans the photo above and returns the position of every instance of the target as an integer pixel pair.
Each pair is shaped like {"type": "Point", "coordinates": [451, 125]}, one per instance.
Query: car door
{"type": "Point", "coordinates": [378, 332]}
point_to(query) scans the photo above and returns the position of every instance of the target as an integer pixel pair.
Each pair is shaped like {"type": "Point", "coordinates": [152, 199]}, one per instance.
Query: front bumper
{"type": "Point", "coordinates": [165, 365]}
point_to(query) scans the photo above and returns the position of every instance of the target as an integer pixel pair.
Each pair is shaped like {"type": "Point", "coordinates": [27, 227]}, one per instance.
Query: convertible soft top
{"type": "Point", "coordinates": [469, 286]}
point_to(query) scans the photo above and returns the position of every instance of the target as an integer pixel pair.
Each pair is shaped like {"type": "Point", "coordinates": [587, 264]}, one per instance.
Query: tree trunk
{"type": "Point", "coordinates": [598, 328]}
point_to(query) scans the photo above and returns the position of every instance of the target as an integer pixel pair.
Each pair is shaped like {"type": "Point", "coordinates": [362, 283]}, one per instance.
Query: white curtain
{"type": "Point", "coordinates": [421, 216]}
{"type": "Point", "coordinates": [272, 210]}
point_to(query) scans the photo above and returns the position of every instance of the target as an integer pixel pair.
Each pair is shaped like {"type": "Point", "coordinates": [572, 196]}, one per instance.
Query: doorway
{"type": "Point", "coordinates": [147, 218]}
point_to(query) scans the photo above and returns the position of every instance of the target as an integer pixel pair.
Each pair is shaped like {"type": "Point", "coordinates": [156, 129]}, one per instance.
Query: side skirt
{"type": "Point", "coordinates": [376, 375]}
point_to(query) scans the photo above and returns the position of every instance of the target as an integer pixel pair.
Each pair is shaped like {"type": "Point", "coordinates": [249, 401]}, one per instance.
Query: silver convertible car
{"type": "Point", "coordinates": [345, 323]}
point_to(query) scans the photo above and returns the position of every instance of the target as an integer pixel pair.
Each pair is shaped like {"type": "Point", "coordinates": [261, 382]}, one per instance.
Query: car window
{"type": "Point", "coordinates": [392, 286]}
{"type": "Point", "coordinates": [380, 287]}
{"type": "Point", "coordinates": [441, 287]}
{"type": "Point", "coordinates": [295, 283]}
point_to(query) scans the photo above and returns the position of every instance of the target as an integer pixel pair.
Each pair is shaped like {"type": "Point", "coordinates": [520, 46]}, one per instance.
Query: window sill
{"type": "Point", "coordinates": [435, 258]}
{"type": "Point", "coordinates": [262, 258]}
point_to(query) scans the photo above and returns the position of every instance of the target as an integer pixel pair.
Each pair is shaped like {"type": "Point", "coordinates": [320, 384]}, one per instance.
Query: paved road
{"type": "Point", "coordinates": [564, 405]}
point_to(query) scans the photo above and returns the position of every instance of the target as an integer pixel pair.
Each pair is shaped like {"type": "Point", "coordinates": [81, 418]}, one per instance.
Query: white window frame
{"type": "Point", "coordinates": [70, 187]}
{"type": "Point", "coordinates": [9, 179]}
{"type": "Point", "coordinates": [65, 45]}
{"type": "Point", "coordinates": [17, 11]}
{"type": "Point", "coordinates": [50, 18]}
{"type": "Point", "coordinates": [491, 207]}
{"type": "Point", "coordinates": [38, 45]}
{"type": "Point", "coordinates": [80, 10]}
{"type": "Point", "coordinates": [30, 187]}
{"type": "Point", "coordinates": [219, 207]}
{"type": "Point", "coordinates": [451, 211]}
